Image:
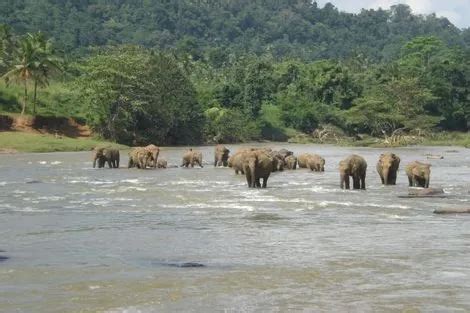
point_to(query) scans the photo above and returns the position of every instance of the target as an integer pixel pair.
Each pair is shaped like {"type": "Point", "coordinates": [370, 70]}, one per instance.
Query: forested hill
{"type": "Point", "coordinates": [283, 28]}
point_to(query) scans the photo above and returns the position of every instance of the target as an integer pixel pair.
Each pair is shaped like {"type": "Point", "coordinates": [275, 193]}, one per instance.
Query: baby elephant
{"type": "Point", "coordinates": [106, 155]}
{"type": "Point", "coordinates": [418, 174]}
{"type": "Point", "coordinates": [291, 162]}
{"type": "Point", "coordinates": [139, 157]}
{"type": "Point", "coordinates": [354, 166]}
{"type": "Point", "coordinates": [162, 163]}
{"type": "Point", "coordinates": [190, 158]}
{"type": "Point", "coordinates": [387, 167]}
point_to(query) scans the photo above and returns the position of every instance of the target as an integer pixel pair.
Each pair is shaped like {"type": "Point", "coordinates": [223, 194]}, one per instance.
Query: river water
{"type": "Point", "coordinates": [78, 239]}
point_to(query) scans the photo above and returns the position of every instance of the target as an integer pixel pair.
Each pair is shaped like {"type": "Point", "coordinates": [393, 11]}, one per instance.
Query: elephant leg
{"type": "Point", "coordinates": [225, 163]}
{"type": "Point", "coordinates": [414, 182]}
{"type": "Point", "coordinates": [346, 183]}
{"type": "Point", "coordinates": [258, 182]}
{"type": "Point", "coordinates": [356, 183]}
{"type": "Point", "coordinates": [216, 162]}
{"type": "Point", "coordinates": [248, 180]}
{"type": "Point", "coordinates": [410, 181]}
{"type": "Point", "coordinates": [363, 182]}
{"type": "Point", "coordinates": [382, 179]}
{"type": "Point", "coordinates": [265, 182]}
{"type": "Point", "coordinates": [94, 162]}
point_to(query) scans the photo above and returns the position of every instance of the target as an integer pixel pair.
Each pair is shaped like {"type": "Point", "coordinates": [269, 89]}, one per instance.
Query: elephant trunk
{"type": "Point", "coordinates": [252, 169]}
{"type": "Point", "coordinates": [426, 181]}
{"type": "Point", "coordinates": [385, 172]}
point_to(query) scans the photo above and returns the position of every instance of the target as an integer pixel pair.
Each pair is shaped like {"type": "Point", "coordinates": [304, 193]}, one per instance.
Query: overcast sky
{"type": "Point", "coordinates": [457, 11]}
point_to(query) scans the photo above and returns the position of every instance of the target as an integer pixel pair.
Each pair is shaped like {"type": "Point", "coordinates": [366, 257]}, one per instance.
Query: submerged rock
{"type": "Point", "coordinates": [425, 192]}
{"type": "Point", "coordinates": [452, 211]}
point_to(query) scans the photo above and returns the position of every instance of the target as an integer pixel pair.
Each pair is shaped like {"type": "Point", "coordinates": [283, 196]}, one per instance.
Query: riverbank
{"type": "Point", "coordinates": [17, 141]}
{"type": "Point", "coordinates": [12, 142]}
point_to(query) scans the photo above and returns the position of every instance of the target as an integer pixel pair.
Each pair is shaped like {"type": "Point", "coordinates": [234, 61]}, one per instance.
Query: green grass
{"type": "Point", "coordinates": [28, 142]}
{"type": "Point", "coordinates": [57, 99]}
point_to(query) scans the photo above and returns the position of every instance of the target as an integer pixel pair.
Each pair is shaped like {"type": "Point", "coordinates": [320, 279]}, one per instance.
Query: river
{"type": "Point", "coordinates": [78, 239]}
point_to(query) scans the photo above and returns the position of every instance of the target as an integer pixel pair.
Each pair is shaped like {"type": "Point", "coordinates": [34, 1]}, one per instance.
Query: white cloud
{"type": "Point", "coordinates": [457, 11]}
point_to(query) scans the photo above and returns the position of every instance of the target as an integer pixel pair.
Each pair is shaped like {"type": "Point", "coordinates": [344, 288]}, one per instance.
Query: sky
{"type": "Point", "coordinates": [457, 11]}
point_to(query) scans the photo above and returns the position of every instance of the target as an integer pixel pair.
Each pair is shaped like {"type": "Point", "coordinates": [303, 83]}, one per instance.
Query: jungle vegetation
{"type": "Point", "coordinates": [178, 72]}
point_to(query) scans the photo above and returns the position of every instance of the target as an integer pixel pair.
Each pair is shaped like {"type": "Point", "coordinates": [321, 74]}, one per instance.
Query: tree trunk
{"type": "Point", "coordinates": [25, 99]}
{"type": "Point", "coordinates": [35, 96]}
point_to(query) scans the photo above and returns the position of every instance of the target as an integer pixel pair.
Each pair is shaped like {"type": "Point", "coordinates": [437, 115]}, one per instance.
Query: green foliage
{"type": "Point", "coordinates": [135, 96]}
{"type": "Point", "coordinates": [228, 126]}
{"type": "Point", "coordinates": [284, 28]}
{"type": "Point", "coordinates": [176, 72]}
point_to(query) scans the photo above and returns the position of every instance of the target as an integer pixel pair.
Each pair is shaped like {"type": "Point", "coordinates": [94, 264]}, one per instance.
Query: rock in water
{"type": "Point", "coordinates": [425, 192]}
{"type": "Point", "coordinates": [452, 211]}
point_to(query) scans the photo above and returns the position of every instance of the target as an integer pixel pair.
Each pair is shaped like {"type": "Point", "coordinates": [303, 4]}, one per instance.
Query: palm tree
{"type": "Point", "coordinates": [34, 60]}
{"type": "Point", "coordinates": [47, 64]}
{"type": "Point", "coordinates": [24, 64]}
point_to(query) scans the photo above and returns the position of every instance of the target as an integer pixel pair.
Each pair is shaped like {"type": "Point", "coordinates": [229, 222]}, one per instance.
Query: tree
{"type": "Point", "coordinates": [47, 63]}
{"type": "Point", "coordinates": [137, 97]}
{"type": "Point", "coordinates": [33, 60]}
{"type": "Point", "coordinates": [23, 65]}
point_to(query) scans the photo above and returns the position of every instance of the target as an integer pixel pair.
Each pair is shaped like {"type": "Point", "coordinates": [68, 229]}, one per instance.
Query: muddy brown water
{"type": "Point", "coordinates": [78, 239]}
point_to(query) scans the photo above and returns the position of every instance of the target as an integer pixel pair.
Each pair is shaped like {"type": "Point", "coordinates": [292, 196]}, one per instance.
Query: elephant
{"type": "Point", "coordinates": [106, 155]}
{"type": "Point", "coordinates": [285, 153]}
{"type": "Point", "coordinates": [236, 161]}
{"type": "Point", "coordinates": [316, 163]}
{"type": "Point", "coordinates": [221, 156]}
{"type": "Point", "coordinates": [387, 167]}
{"type": "Point", "coordinates": [312, 161]}
{"type": "Point", "coordinates": [192, 157]}
{"type": "Point", "coordinates": [418, 174]}
{"type": "Point", "coordinates": [162, 163]}
{"type": "Point", "coordinates": [257, 165]}
{"type": "Point", "coordinates": [278, 160]}
{"type": "Point", "coordinates": [155, 151]}
{"type": "Point", "coordinates": [139, 157]}
{"type": "Point", "coordinates": [354, 166]}
{"type": "Point", "coordinates": [302, 160]}
{"type": "Point", "coordinates": [291, 162]}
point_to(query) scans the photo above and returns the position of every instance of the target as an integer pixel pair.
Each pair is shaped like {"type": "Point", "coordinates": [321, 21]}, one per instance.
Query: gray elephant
{"type": "Point", "coordinates": [191, 158]}
{"type": "Point", "coordinates": [154, 151]}
{"type": "Point", "coordinates": [387, 167]}
{"type": "Point", "coordinates": [236, 161]}
{"type": "Point", "coordinates": [162, 163]}
{"type": "Point", "coordinates": [354, 166]}
{"type": "Point", "coordinates": [278, 160]}
{"type": "Point", "coordinates": [285, 153]}
{"type": "Point", "coordinates": [139, 157]}
{"type": "Point", "coordinates": [257, 165]}
{"type": "Point", "coordinates": [303, 160]}
{"type": "Point", "coordinates": [106, 155]}
{"type": "Point", "coordinates": [316, 163]}
{"type": "Point", "coordinates": [418, 174]}
{"type": "Point", "coordinates": [290, 162]}
{"type": "Point", "coordinates": [221, 156]}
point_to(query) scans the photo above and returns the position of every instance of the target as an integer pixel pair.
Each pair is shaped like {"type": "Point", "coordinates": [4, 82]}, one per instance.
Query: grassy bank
{"type": "Point", "coordinates": [29, 142]}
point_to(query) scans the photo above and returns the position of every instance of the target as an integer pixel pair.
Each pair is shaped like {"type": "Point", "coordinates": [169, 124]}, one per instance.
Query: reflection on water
{"type": "Point", "coordinates": [78, 239]}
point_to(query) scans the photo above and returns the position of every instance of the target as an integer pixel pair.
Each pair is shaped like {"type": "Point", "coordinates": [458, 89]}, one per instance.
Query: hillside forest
{"type": "Point", "coordinates": [186, 72]}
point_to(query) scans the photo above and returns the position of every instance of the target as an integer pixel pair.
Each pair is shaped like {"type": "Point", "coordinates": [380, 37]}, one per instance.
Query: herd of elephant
{"type": "Point", "coordinates": [257, 164]}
